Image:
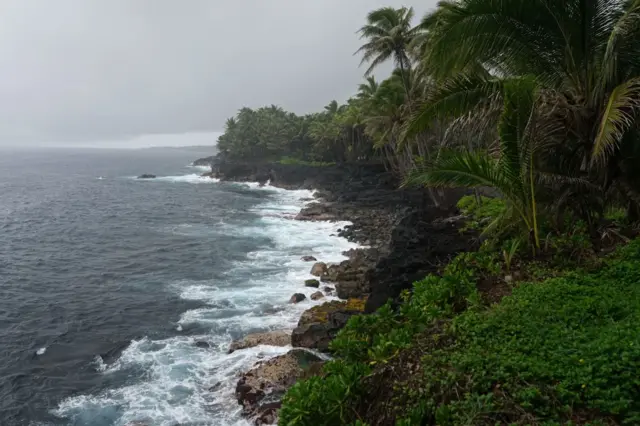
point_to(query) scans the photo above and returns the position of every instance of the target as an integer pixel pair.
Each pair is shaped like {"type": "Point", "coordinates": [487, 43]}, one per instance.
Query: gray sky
{"type": "Point", "coordinates": [105, 72]}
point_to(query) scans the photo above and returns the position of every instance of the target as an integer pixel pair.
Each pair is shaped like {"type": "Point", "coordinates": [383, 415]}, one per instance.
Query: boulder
{"type": "Point", "coordinates": [202, 345]}
{"type": "Point", "coordinates": [267, 413]}
{"type": "Point", "coordinates": [272, 338]}
{"type": "Point", "coordinates": [320, 313]}
{"type": "Point", "coordinates": [272, 378]}
{"type": "Point", "coordinates": [308, 258]}
{"type": "Point", "coordinates": [146, 176]}
{"type": "Point", "coordinates": [319, 269]}
{"type": "Point", "coordinates": [317, 295]}
{"type": "Point", "coordinates": [320, 324]}
{"type": "Point", "coordinates": [297, 298]}
{"type": "Point", "coordinates": [312, 336]}
{"type": "Point", "coordinates": [312, 283]}
{"type": "Point", "coordinates": [348, 289]}
{"type": "Point", "coordinates": [327, 290]}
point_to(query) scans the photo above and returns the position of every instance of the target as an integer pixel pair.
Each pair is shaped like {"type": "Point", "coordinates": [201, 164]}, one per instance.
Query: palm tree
{"type": "Point", "coordinates": [389, 33]}
{"type": "Point", "coordinates": [331, 108]}
{"type": "Point", "coordinates": [583, 54]}
{"type": "Point", "coordinates": [512, 173]}
{"type": "Point", "coordinates": [367, 90]}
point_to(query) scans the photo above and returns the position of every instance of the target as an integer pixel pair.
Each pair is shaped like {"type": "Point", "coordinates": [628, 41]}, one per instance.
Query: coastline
{"type": "Point", "coordinates": [402, 238]}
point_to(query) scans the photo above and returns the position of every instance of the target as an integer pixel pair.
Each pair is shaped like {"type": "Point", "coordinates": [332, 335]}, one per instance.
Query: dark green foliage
{"type": "Point", "coordinates": [324, 399]}
{"type": "Point", "coordinates": [296, 161]}
{"type": "Point", "coordinates": [481, 210]}
{"type": "Point", "coordinates": [554, 350]}
{"type": "Point", "coordinates": [560, 351]}
{"type": "Point", "coordinates": [371, 340]}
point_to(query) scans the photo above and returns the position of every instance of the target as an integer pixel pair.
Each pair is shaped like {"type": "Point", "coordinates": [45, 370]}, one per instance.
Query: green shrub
{"type": "Point", "coordinates": [370, 340]}
{"type": "Point", "coordinates": [481, 210]}
{"type": "Point", "coordinates": [324, 400]}
{"type": "Point", "coordinates": [550, 351]}
{"type": "Point", "coordinates": [563, 351]}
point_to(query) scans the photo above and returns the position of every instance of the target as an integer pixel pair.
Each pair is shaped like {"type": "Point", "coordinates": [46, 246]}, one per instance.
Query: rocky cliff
{"type": "Point", "coordinates": [406, 237]}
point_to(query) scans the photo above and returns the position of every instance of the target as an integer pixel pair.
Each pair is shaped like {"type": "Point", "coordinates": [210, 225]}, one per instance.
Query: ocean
{"type": "Point", "coordinates": [112, 287]}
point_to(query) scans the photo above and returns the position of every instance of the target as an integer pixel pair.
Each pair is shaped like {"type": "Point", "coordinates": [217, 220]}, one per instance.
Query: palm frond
{"type": "Point", "coordinates": [458, 169]}
{"type": "Point", "coordinates": [453, 98]}
{"type": "Point", "coordinates": [618, 116]}
{"type": "Point", "coordinates": [519, 97]}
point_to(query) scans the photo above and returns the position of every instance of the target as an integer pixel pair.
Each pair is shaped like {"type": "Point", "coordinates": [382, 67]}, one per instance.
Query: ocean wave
{"type": "Point", "coordinates": [192, 178]}
{"type": "Point", "coordinates": [203, 168]}
{"type": "Point", "coordinates": [185, 383]}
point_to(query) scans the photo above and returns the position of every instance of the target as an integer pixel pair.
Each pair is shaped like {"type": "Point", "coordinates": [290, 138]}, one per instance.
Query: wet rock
{"type": "Point", "coordinates": [215, 387]}
{"type": "Point", "coordinates": [312, 283]}
{"type": "Point", "coordinates": [260, 389]}
{"type": "Point", "coordinates": [297, 298]}
{"type": "Point", "coordinates": [312, 336]}
{"type": "Point", "coordinates": [147, 176]}
{"type": "Point", "coordinates": [327, 290]}
{"type": "Point", "coordinates": [308, 258]}
{"type": "Point", "coordinates": [270, 310]}
{"type": "Point", "coordinates": [206, 161]}
{"type": "Point", "coordinates": [316, 212]}
{"type": "Point", "coordinates": [273, 338]}
{"type": "Point", "coordinates": [317, 295]}
{"type": "Point", "coordinates": [202, 345]}
{"type": "Point", "coordinates": [267, 414]}
{"type": "Point", "coordinates": [319, 269]}
{"type": "Point", "coordinates": [212, 175]}
{"type": "Point", "coordinates": [348, 289]}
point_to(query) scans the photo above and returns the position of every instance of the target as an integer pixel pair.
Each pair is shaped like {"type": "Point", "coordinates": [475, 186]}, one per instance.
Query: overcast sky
{"type": "Point", "coordinates": [106, 71]}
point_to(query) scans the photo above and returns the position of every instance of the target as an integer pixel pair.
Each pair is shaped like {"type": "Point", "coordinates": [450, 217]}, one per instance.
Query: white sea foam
{"type": "Point", "coordinates": [192, 178]}
{"type": "Point", "coordinates": [41, 351]}
{"type": "Point", "coordinates": [100, 365]}
{"type": "Point", "coordinates": [187, 384]}
{"type": "Point", "coordinates": [203, 168]}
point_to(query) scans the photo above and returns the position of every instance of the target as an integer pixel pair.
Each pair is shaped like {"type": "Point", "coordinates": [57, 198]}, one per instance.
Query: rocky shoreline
{"type": "Point", "coordinates": [405, 237]}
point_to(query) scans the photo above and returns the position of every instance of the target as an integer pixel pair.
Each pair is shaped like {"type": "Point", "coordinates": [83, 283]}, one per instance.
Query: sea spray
{"type": "Point", "coordinates": [184, 383]}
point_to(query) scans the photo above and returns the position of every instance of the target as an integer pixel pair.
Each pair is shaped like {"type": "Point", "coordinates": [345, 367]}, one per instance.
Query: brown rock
{"type": "Point", "coordinates": [273, 338]}
{"type": "Point", "coordinates": [348, 289]}
{"type": "Point", "coordinates": [312, 336]}
{"type": "Point", "coordinates": [297, 298]}
{"type": "Point", "coordinates": [317, 295]}
{"type": "Point", "coordinates": [319, 269]}
{"type": "Point", "coordinates": [268, 413]}
{"type": "Point", "coordinates": [272, 378]}
{"type": "Point", "coordinates": [320, 313]}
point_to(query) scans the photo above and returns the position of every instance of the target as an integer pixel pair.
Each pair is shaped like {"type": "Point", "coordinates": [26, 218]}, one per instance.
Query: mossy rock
{"type": "Point", "coordinates": [356, 304]}
{"type": "Point", "coordinates": [312, 283]}
{"type": "Point", "coordinates": [320, 313]}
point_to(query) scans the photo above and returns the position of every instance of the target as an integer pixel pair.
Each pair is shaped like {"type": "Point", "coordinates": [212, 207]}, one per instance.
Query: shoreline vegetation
{"type": "Point", "coordinates": [502, 282]}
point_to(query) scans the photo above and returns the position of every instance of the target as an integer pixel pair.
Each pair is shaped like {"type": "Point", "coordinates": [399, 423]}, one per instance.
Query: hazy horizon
{"type": "Point", "coordinates": [117, 73]}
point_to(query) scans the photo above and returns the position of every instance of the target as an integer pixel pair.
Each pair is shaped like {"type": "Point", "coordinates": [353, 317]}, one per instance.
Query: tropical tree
{"type": "Point", "coordinates": [584, 57]}
{"type": "Point", "coordinates": [511, 172]}
{"type": "Point", "coordinates": [389, 33]}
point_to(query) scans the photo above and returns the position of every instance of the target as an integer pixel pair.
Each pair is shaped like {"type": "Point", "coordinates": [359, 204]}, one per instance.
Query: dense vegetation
{"type": "Point", "coordinates": [537, 100]}
{"type": "Point", "coordinates": [561, 351]}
